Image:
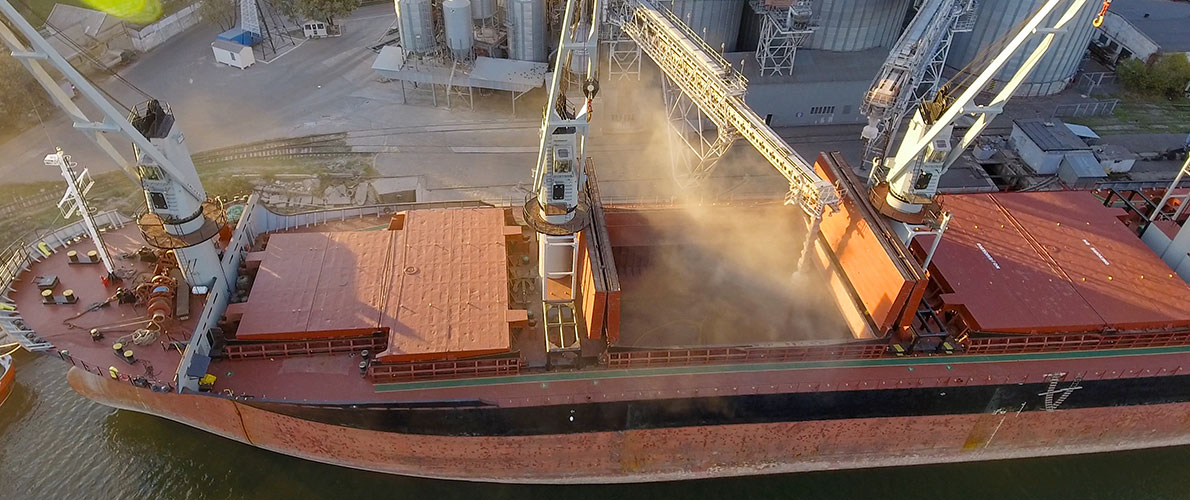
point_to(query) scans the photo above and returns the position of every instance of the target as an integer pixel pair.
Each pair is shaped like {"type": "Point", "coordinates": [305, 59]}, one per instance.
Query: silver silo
{"type": "Point", "coordinates": [526, 30]}
{"type": "Point", "coordinates": [460, 37]}
{"type": "Point", "coordinates": [416, 21]}
{"type": "Point", "coordinates": [716, 21]}
{"type": "Point", "coordinates": [483, 9]}
{"type": "Point", "coordinates": [849, 25]}
{"type": "Point", "coordinates": [996, 19]}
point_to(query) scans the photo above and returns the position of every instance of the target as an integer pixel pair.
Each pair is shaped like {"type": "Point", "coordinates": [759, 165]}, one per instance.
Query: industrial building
{"type": "Point", "coordinates": [1141, 29]}
{"type": "Point", "coordinates": [806, 62]}
{"type": "Point", "coordinates": [459, 45]}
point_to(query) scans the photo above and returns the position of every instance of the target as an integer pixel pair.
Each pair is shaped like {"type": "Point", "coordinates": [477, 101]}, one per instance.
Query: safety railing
{"type": "Point", "coordinates": [437, 370]}
{"type": "Point", "coordinates": [1089, 342]}
{"type": "Point", "coordinates": [304, 347]}
{"type": "Point", "coordinates": [28, 249]}
{"type": "Point", "coordinates": [1096, 108]}
{"type": "Point", "coordinates": [725, 355]}
{"type": "Point", "coordinates": [141, 381]}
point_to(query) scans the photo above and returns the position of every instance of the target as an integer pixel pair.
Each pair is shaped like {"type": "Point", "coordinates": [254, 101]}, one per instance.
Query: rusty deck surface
{"type": "Point", "coordinates": [52, 322]}
{"type": "Point", "coordinates": [1053, 262]}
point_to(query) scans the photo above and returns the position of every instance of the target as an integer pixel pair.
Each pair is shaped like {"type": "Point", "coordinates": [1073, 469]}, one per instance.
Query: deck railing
{"type": "Point", "coordinates": [1089, 342]}
{"type": "Point", "coordinates": [437, 370]}
{"type": "Point", "coordinates": [304, 347]}
{"type": "Point", "coordinates": [711, 356]}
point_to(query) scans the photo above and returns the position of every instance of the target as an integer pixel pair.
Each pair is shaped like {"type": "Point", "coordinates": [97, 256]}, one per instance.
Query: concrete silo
{"type": "Point", "coordinates": [716, 21]}
{"type": "Point", "coordinates": [996, 19]}
{"type": "Point", "coordinates": [851, 25]}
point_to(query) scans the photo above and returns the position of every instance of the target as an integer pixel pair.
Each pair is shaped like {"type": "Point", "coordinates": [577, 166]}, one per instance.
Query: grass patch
{"type": "Point", "coordinates": [36, 11]}
{"type": "Point", "coordinates": [1139, 115]}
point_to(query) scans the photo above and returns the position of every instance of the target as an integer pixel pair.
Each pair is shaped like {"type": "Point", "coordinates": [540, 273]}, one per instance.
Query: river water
{"type": "Point", "coordinates": [56, 444]}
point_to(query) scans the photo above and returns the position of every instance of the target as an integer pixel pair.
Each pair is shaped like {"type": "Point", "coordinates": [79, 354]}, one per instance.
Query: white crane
{"type": "Point", "coordinates": [926, 151]}
{"type": "Point", "coordinates": [179, 218]}
{"type": "Point", "coordinates": [557, 209]}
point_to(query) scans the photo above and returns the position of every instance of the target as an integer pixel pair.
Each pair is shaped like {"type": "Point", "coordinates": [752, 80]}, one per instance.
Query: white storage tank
{"type": "Point", "coordinates": [851, 25]}
{"type": "Point", "coordinates": [460, 38]}
{"type": "Point", "coordinates": [483, 9]}
{"type": "Point", "coordinates": [716, 21]}
{"type": "Point", "coordinates": [526, 30]}
{"type": "Point", "coordinates": [416, 21]}
{"type": "Point", "coordinates": [1052, 74]}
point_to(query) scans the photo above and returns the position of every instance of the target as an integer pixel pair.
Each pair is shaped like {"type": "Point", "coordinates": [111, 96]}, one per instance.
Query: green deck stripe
{"type": "Point", "coordinates": [757, 367]}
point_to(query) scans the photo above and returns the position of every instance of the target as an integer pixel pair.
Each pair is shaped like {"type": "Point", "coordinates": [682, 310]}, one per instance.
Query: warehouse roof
{"type": "Point", "coordinates": [1051, 135]}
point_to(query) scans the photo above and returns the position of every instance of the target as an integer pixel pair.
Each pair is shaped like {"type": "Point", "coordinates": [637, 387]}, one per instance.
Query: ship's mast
{"type": "Point", "coordinates": [75, 199]}
{"type": "Point", "coordinates": [179, 218]}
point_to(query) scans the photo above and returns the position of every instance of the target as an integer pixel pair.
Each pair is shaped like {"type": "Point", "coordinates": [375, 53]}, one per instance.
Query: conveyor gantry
{"type": "Point", "coordinates": [718, 90]}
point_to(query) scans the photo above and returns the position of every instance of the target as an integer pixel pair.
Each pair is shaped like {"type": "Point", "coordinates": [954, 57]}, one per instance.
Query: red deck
{"type": "Point", "coordinates": [438, 286]}
{"type": "Point", "coordinates": [1053, 262]}
{"type": "Point", "coordinates": [155, 360]}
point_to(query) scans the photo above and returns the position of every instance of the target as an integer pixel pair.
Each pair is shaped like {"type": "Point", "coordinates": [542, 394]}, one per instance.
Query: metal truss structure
{"type": "Point", "coordinates": [697, 142]}
{"type": "Point", "coordinates": [911, 74]}
{"type": "Point", "coordinates": [717, 90]}
{"type": "Point", "coordinates": [783, 30]}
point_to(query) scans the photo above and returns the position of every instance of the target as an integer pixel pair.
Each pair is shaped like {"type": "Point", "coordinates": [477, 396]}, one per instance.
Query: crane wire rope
{"type": "Point", "coordinates": [972, 69]}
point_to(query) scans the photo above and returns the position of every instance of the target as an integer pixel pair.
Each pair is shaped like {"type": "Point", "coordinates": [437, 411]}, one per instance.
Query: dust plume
{"type": "Point", "coordinates": [719, 264]}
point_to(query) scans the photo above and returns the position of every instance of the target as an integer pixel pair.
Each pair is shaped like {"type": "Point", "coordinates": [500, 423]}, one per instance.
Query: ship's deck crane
{"type": "Point", "coordinates": [910, 74]}
{"type": "Point", "coordinates": [557, 209]}
{"type": "Point", "coordinates": [179, 217]}
{"type": "Point", "coordinates": [926, 152]}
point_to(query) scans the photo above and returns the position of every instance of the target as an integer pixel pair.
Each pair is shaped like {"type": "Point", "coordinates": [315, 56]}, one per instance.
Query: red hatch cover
{"type": "Point", "coordinates": [438, 286]}
{"type": "Point", "coordinates": [1055, 261]}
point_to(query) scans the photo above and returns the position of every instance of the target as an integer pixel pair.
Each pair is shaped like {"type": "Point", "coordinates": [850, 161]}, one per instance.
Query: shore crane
{"type": "Point", "coordinates": [911, 74]}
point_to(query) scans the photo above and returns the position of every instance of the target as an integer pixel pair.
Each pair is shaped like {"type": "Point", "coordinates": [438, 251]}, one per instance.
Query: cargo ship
{"type": "Point", "coordinates": [7, 378]}
{"type": "Point", "coordinates": [570, 340]}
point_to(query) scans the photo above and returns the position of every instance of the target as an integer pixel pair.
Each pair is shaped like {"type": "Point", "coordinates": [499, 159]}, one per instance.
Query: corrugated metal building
{"type": "Point", "coordinates": [848, 25]}
{"type": "Point", "coordinates": [1049, 147]}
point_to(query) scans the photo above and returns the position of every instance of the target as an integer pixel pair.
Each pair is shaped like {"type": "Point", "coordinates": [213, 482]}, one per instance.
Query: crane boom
{"type": "Point", "coordinates": [179, 217]}
{"type": "Point", "coordinates": [926, 153]}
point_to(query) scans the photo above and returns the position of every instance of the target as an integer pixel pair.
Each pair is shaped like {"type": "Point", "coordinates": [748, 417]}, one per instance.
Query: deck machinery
{"type": "Point", "coordinates": [570, 340]}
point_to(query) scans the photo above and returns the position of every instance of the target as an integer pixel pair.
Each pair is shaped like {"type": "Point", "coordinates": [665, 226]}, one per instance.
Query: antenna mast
{"type": "Point", "coordinates": [73, 200]}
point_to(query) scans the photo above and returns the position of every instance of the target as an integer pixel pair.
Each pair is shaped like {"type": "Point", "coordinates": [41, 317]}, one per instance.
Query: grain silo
{"type": "Point", "coordinates": [416, 21]}
{"type": "Point", "coordinates": [996, 20]}
{"type": "Point", "coordinates": [483, 9]}
{"type": "Point", "coordinates": [716, 21]}
{"type": "Point", "coordinates": [526, 30]}
{"type": "Point", "coordinates": [460, 38]}
{"type": "Point", "coordinates": [850, 25]}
